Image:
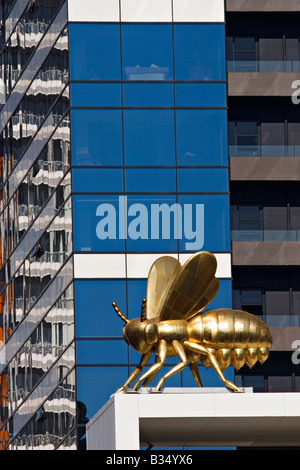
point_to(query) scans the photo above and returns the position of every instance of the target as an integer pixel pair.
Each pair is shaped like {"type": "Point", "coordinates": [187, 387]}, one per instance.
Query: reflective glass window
{"type": "Point", "coordinates": [110, 378]}
{"type": "Point", "coordinates": [96, 223]}
{"type": "Point", "coordinates": [136, 291]}
{"type": "Point", "coordinates": [96, 95]}
{"type": "Point", "coordinates": [204, 214]}
{"type": "Point", "coordinates": [152, 223]}
{"type": "Point", "coordinates": [35, 110]}
{"type": "Point", "coordinates": [26, 37]}
{"type": "Point", "coordinates": [245, 48]}
{"type": "Point", "coordinates": [55, 419]}
{"type": "Point", "coordinates": [96, 137]}
{"type": "Point", "coordinates": [199, 51]}
{"type": "Point", "coordinates": [150, 180]}
{"type": "Point", "coordinates": [46, 344]}
{"type": "Point", "coordinates": [148, 95]}
{"type": "Point", "coordinates": [147, 52]}
{"type": "Point", "coordinates": [202, 180]}
{"type": "Point", "coordinates": [95, 51]}
{"type": "Point", "coordinates": [200, 95]}
{"type": "Point", "coordinates": [101, 351]}
{"type": "Point", "coordinates": [97, 180]}
{"type": "Point", "coordinates": [247, 134]}
{"type": "Point", "coordinates": [209, 378]}
{"type": "Point", "coordinates": [201, 137]}
{"type": "Point", "coordinates": [224, 295]}
{"type": "Point", "coordinates": [35, 275]}
{"type": "Point", "coordinates": [99, 318]}
{"type": "Point", "coordinates": [35, 189]}
{"type": "Point", "coordinates": [149, 137]}
{"type": "Point", "coordinates": [5, 7]}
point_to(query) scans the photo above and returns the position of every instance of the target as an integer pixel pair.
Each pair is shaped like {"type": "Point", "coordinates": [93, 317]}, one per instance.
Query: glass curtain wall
{"type": "Point", "coordinates": [37, 383]}
{"type": "Point", "coordinates": [149, 124]}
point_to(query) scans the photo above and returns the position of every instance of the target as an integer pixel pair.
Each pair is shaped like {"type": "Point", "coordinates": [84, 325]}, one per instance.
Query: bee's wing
{"type": "Point", "coordinates": [161, 275]}
{"type": "Point", "coordinates": [194, 286]}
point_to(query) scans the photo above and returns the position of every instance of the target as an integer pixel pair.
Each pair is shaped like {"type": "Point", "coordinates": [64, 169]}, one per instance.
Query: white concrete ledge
{"type": "Point", "coordinates": [148, 11]}
{"type": "Point", "coordinates": [134, 265]}
{"type": "Point", "coordinates": [195, 417]}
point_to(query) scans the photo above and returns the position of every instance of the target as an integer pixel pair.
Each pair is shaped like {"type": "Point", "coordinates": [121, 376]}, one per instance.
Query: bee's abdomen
{"type": "Point", "coordinates": [233, 336]}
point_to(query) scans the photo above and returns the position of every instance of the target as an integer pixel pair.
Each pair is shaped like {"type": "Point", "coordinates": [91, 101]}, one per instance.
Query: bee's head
{"type": "Point", "coordinates": [140, 335]}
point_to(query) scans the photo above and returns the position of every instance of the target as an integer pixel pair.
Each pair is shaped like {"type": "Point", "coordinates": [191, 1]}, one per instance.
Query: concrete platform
{"type": "Point", "coordinates": [195, 417]}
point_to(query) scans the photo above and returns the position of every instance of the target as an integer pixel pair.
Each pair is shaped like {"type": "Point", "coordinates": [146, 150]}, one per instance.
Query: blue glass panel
{"type": "Point", "coordinates": [95, 385]}
{"type": "Point", "coordinates": [147, 52]}
{"type": "Point", "coordinates": [223, 298]}
{"type": "Point", "coordinates": [208, 377]}
{"type": "Point", "coordinates": [173, 381]}
{"type": "Point", "coordinates": [152, 223]}
{"type": "Point", "coordinates": [199, 52]}
{"type": "Point", "coordinates": [200, 95]}
{"type": "Point", "coordinates": [96, 223]}
{"type": "Point", "coordinates": [94, 315]}
{"type": "Point", "coordinates": [101, 351]}
{"type": "Point", "coordinates": [96, 137]}
{"type": "Point", "coordinates": [150, 180]}
{"type": "Point", "coordinates": [201, 137]}
{"type": "Point", "coordinates": [148, 95]}
{"type": "Point", "coordinates": [97, 180]}
{"type": "Point", "coordinates": [213, 180]}
{"type": "Point", "coordinates": [94, 51]}
{"type": "Point", "coordinates": [136, 291]}
{"type": "Point", "coordinates": [95, 95]}
{"type": "Point", "coordinates": [205, 223]}
{"type": "Point", "coordinates": [149, 137]}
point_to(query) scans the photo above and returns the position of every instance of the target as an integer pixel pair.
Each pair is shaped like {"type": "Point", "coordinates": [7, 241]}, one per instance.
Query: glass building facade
{"type": "Point", "coordinates": [148, 97]}
{"type": "Point", "coordinates": [104, 119]}
{"type": "Point", "coordinates": [114, 151]}
{"type": "Point", "coordinates": [38, 394]}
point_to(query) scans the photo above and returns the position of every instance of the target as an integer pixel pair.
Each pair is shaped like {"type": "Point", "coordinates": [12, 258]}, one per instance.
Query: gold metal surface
{"type": "Point", "coordinates": [171, 324]}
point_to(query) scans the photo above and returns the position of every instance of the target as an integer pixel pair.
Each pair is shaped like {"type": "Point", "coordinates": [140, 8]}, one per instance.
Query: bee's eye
{"type": "Point", "coordinates": [125, 336]}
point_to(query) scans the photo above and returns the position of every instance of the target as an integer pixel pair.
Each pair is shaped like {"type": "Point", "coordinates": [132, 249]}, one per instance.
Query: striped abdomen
{"type": "Point", "coordinates": [233, 336]}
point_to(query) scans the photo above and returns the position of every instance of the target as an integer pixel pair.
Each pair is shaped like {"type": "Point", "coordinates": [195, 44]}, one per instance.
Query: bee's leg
{"type": "Point", "coordinates": [181, 354]}
{"type": "Point", "coordinates": [198, 348]}
{"type": "Point", "coordinates": [152, 371]}
{"type": "Point", "coordinates": [195, 371]}
{"type": "Point", "coordinates": [148, 380]}
{"type": "Point", "coordinates": [136, 371]}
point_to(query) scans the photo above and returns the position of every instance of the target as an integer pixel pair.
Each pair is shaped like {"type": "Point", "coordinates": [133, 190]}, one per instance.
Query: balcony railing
{"type": "Point", "coordinates": [265, 235]}
{"type": "Point", "coordinates": [283, 66]}
{"type": "Point", "coordinates": [264, 150]}
{"type": "Point", "coordinates": [280, 320]}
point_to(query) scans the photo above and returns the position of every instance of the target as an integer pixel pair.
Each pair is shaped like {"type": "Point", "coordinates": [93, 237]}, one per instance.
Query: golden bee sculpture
{"type": "Point", "coordinates": [171, 324]}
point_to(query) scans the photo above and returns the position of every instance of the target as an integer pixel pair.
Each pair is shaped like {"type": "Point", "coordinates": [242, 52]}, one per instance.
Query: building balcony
{"type": "Point", "coordinates": [265, 253]}
{"type": "Point", "coordinates": [264, 169]}
{"type": "Point", "coordinates": [262, 5]}
{"type": "Point", "coordinates": [276, 321]}
{"type": "Point", "coordinates": [284, 337]}
{"type": "Point", "coordinates": [264, 162]}
{"type": "Point", "coordinates": [243, 82]}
